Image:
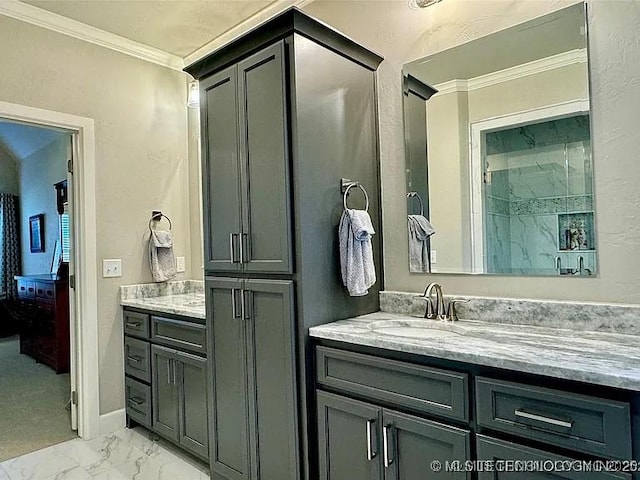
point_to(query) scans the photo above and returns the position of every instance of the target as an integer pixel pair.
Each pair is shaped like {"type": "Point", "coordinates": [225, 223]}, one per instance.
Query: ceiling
{"type": "Point", "coordinates": [21, 140]}
{"type": "Point", "coordinates": [177, 27]}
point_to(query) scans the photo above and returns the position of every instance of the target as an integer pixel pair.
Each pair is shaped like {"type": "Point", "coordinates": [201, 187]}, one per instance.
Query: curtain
{"type": "Point", "coordinates": [10, 261]}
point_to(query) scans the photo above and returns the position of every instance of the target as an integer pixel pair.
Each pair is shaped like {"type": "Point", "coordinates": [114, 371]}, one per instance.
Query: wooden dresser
{"type": "Point", "coordinates": [44, 325]}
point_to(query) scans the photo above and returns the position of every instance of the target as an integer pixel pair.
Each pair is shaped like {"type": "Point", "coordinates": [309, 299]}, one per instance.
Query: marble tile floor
{"type": "Point", "coordinates": [135, 454]}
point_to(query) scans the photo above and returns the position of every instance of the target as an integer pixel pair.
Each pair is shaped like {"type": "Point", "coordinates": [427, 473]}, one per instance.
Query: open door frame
{"type": "Point", "coordinates": [85, 293]}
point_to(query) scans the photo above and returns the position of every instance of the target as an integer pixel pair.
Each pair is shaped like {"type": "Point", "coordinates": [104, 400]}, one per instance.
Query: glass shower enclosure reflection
{"type": "Point", "coordinates": [538, 199]}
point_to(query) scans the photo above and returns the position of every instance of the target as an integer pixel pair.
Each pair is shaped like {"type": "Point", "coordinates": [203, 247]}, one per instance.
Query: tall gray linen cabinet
{"type": "Point", "coordinates": [287, 110]}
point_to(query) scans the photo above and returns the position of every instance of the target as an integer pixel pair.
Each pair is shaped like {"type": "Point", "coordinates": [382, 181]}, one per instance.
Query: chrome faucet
{"type": "Point", "coordinates": [439, 309]}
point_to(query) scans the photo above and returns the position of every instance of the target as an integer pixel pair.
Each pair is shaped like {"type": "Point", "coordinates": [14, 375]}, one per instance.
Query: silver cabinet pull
{"type": "Point", "coordinates": [370, 451]}
{"type": "Point", "coordinates": [244, 248]}
{"type": "Point", "coordinates": [543, 419]}
{"type": "Point", "coordinates": [133, 324]}
{"type": "Point", "coordinates": [234, 302]}
{"type": "Point", "coordinates": [133, 359]}
{"type": "Point", "coordinates": [246, 304]}
{"type": "Point", "coordinates": [169, 372]}
{"type": "Point", "coordinates": [385, 442]}
{"type": "Point", "coordinates": [136, 401]}
{"type": "Point", "coordinates": [232, 248]}
{"type": "Point", "coordinates": [175, 381]}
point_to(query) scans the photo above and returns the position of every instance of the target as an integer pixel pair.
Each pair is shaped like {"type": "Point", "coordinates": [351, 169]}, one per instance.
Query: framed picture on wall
{"type": "Point", "coordinates": [36, 233]}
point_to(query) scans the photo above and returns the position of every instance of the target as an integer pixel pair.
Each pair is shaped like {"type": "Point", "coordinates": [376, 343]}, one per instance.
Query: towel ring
{"type": "Point", "coordinates": [158, 216]}
{"type": "Point", "coordinates": [346, 193]}
{"type": "Point", "coordinates": [417, 195]}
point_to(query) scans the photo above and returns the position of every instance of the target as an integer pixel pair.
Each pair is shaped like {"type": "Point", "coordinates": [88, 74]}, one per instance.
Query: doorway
{"type": "Point", "coordinates": [35, 261]}
{"type": "Point", "coordinates": [83, 353]}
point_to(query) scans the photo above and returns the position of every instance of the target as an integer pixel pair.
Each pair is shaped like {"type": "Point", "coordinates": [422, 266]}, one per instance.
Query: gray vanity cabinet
{"type": "Point", "coordinates": [359, 441]}
{"type": "Point", "coordinates": [253, 399]}
{"type": "Point", "coordinates": [246, 181]}
{"type": "Point", "coordinates": [179, 398]}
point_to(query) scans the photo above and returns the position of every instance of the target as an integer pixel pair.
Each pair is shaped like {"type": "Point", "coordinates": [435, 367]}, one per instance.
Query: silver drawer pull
{"type": "Point", "coordinates": [385, 445]}
{"type": "Point", "coordinates": [134, 359]}
{"type": "Point", "coordinates": [541, 418]}
{"type": "Point", "coordinates": [370, 451]}
{"type": "Point", "coordinates": [136, 401]}
{"type": "Point", "coordinates": [133, 324]}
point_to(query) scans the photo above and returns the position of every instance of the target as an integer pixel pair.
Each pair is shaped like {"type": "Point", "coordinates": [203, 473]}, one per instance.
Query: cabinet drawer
{"type": "Point", "coordinates": [178, 333]}
{"type": "Point", "coordinates": [588, 424]}
{"type": "Point", "coordinates": [136, 324]}
{"type": "Point", "coordinates": [26, 289]}
{"type": "Point", "coordinates": [417, 387]}
{"type": "Point", "coordinates": [45, 291]}
{"type": "Point", "coordinates": [137, 358]}
{"type": "Point", "coordinates": [495, 450]}
{"type": "Point", "coordinates": [138, 401]}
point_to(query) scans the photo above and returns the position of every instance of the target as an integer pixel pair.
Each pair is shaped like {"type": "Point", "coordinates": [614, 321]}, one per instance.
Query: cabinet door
{"type": "Point", "coordinates": [266, 226]}
{"type": "Point", "coordinates": [348, 438]}
{"type": "Point", "coordinates": [229, 408]}
{"type": "Point", "coordinates": [410, 445]}
{"type": "Point", "coordinates": [269, 315]}
{"type": "Point", "coordinates": [220, 171]}
{"type": "Point", "coordinates": [192, 380]}
{"type": "Point", "coordinates": [494, 450]}
{"type": "Point", "coordinates": [164, 388]}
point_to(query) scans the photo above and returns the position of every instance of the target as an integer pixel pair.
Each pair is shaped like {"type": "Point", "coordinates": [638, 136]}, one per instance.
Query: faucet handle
{"type": "Point", "coordinates": [452, 314]}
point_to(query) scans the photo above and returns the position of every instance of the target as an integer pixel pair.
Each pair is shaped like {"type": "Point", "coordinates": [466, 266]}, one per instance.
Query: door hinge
{"type": "Point", "coordinates": [487, 177]}
{"type": "Point", "coordinates": [74, 397]}
{"type": "Point", "coordinates": [72, 281]}
{"type": "Point", "coordinates": [70, 165]}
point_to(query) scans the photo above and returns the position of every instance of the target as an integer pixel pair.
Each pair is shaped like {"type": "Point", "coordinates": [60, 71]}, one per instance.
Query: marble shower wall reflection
{"type": "Point", "coordinates": [539, 199]}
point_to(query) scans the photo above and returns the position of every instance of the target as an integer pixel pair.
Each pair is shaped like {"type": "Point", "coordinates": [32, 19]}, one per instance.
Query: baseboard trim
{"type": "Point", "coordinates": [110, 422]}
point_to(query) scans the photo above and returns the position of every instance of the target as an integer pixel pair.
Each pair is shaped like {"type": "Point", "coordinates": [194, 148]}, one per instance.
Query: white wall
{"type": "Point", "coordinates": [403, 35]}
{"type": "Point", "coordinates": [141, 156]}
{"type": "Point", "coordinates": [38, 172]}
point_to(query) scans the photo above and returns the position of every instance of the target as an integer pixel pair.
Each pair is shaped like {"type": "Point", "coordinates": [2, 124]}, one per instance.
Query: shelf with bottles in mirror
{"type": "Point", "coordinates": [576, 232]}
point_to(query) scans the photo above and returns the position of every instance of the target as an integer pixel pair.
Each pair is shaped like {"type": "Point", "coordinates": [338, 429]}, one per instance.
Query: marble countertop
{"type": "Point", "coordinates": [608, 359]}
{"type": "Point", "coordinates": [187, 304]}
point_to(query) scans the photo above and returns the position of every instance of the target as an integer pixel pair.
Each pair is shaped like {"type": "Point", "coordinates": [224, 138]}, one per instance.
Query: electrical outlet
{"type": "Point", "coordinates": [112, 268]}
{"type": "Point", "coordinates": [180, 265]}
{"type": "Point", "coordinates": [434, 257]}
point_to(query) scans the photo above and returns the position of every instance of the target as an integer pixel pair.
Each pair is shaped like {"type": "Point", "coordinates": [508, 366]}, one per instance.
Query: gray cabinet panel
{"type": "Point", "coordinates": [165, 392]}
{"type": "Point", "coordinates": [349, 444]}
{"type": "Point", "coordinates": [192, 378]}
{"type": "Point", "coordinates": [178, 333]}
{"type": "Point", "coordinates": [271, 352]}
{"type": "Point", "coordinates": [138, 401]}
{"type": "Point", "coordinates": [426, 389]}
{"type": "Point", "coordinates": [588, 424]}
{"type": "Point", "coordinates": [413, 443]}
{"type": "Point", "coordinates": [229, 408]}
{"type": "Point", "coordinates": [136, 324]}
{"type": "Point", "coordinates": [221, 174]}
{"type": "Point", "coordinates": [264, 162]}
{"type": "Point", "coordinates": [499, 450]}
{"type": "Point", "coordinates": [137, 358]}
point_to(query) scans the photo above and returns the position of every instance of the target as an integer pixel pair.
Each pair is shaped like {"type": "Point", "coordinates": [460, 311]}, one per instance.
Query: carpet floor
{"type": "Point", "coordinates": [33, 400]}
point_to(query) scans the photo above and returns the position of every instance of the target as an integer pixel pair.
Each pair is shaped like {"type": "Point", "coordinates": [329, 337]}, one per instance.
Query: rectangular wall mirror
{"type": "Point", "coordinates": [498, 153]}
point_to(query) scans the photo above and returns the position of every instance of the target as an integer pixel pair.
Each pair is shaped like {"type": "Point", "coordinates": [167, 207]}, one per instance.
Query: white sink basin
{"type": "Point", "coordinates": [418, 328]}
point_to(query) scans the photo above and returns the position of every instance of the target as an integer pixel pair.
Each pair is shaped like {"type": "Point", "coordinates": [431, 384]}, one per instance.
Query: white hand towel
{"type": "Point", "coordinates": [161, 259]}
{"type": "Point", "coordinates": [419, 231]}
{"type": "Point", "coordinates": [356, 253]}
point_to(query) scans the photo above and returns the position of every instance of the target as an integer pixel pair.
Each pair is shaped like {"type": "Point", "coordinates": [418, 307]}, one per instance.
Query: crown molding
{"type": "Point", "coordinates": [513, 73]}
{"type": "Point", "coordinates": [262, 16]}
{"type": "Point", "coordinates": [73, 28]}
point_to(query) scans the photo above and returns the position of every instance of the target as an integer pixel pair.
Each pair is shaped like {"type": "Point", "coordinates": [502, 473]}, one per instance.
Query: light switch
{"type": "Point", "coordinates": [180, 264]}
{"type": "Point", "coordinates": [112, 268]}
